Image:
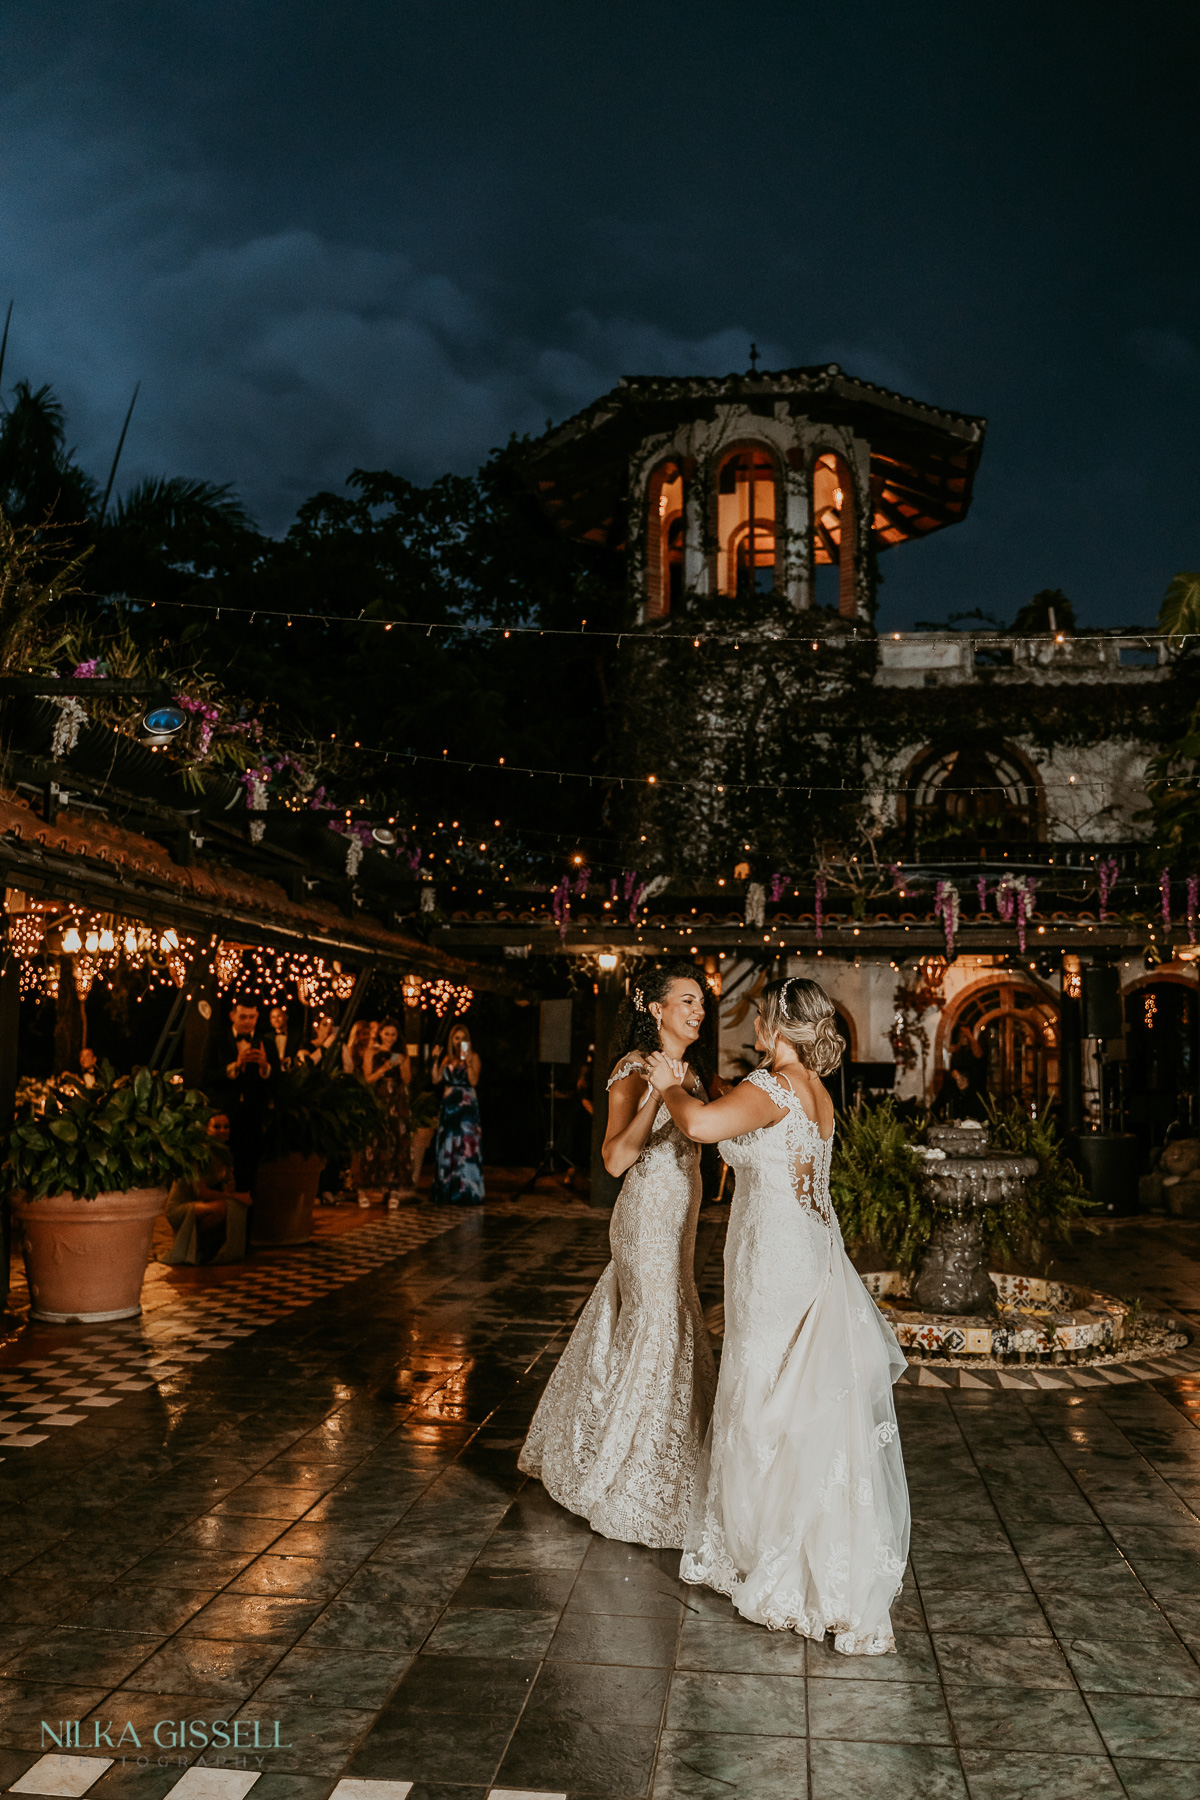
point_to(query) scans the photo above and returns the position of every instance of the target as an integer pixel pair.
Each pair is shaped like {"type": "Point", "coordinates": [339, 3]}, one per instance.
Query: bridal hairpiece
{"type": "Point", "coordinates": [639, 1005]}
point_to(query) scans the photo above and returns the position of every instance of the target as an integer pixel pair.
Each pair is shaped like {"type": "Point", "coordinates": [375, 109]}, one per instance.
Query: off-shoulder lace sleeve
{"type": "Point", "coordinates": [777, 1090]}
{"type": "Point", "coordinates": [630, 1066]}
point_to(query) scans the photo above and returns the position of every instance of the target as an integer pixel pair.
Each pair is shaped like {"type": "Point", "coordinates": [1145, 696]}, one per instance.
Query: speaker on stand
{"type": "Point", "coordinates": [554, 1047]}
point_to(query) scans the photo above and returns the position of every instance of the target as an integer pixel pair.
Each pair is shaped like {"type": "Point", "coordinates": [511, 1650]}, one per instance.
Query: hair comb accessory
{"type": "Point", "coordinates": [639, 1005]}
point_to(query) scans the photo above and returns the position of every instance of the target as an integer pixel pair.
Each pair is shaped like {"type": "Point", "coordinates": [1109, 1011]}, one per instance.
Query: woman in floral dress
{"type": "Point", "coordinates": [387, 1161]}
{"type": "Point", "coordinates": [458, 1152]}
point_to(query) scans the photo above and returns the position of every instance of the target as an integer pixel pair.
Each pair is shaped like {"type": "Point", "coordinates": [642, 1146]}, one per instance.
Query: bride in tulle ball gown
{"type": "Point", "coordinates": [801, 1509]}
{"type": "Point", "coordinates": [617, 1435]}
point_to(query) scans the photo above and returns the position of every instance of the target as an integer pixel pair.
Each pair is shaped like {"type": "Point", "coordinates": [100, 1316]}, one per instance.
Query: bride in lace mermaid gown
{"type": "Point", "coordinates": [617, 1434]}
{"type": "Point", "coordinates": [801, 1512]}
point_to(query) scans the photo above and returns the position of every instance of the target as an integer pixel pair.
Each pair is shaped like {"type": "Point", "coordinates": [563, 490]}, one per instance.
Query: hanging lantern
{"type": "Point", "coordinates": [178, 970]}
{"type": "Point", "coordinates": [108, 942]}
{"type": "Point", "coordinates": [85, 974]}
{"type": "Point", "coordinates": [50, 975]}
{"type": "Point", "coordinates": [410, 988]}
{"type": "Point", "coordinates": [25, 934]}
{"type": "Point", "coordinates": [72, 942]}
{"type": "Point", "coordinates": [229, 962]}
{"type": "Point", "coordinates": [342, 982]}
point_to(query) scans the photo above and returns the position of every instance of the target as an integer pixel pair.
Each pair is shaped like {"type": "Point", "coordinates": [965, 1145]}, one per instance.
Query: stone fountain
{"type": "Point", "coordinates": [962, 1178]}
{"type": "Point", "coordinates": [956, 1310]}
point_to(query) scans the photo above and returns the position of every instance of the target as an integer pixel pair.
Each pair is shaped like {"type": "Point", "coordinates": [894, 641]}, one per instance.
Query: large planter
{"type": "Point", "coordinates": [85, 1259]}
{"type": "Point", "coordinates": [285, 1192]}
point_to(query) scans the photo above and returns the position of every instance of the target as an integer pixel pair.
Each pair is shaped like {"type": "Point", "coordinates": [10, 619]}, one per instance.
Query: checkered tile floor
{"type": "Point", "coordinates": [64, 1386]}
{"type": "Point", "coordinates": [67, 1776]}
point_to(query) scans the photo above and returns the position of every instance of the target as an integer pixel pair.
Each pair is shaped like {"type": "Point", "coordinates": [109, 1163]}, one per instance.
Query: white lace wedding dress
{"type": "Point", "coordinates": [617, 1434]}
{"type": "Point", "coordinates": [801, 1512]}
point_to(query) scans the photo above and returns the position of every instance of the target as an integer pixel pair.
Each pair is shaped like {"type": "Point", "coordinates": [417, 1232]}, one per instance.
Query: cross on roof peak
{"type": "Point", "coordinates": [753, 358]}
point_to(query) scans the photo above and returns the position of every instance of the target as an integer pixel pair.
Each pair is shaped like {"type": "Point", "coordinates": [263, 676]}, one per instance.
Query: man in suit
{"type": "Point", "coordinates": [240, 1080]}
{"type": "Point", "coordinates": [283, 1039]}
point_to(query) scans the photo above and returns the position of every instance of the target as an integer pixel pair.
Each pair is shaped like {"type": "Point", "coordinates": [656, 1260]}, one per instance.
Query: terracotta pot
{"type": "Point", "coordinates": [85, 1259]}
{"type": "Point", "coordinates": [422, 1137]}
{"type": "Point", "coordinates": [285, 1191]}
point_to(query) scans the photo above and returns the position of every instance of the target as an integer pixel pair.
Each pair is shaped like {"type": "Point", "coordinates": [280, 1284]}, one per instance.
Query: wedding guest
{"type": "Point", "coordinates": [458, 1152]}
{"type": "Point", "coordinates": [321, 1034]}
{"type": "Point", "coordinates": [281, 1044]}
{"type": "Point", "coordinates": [359, 1039]}
{"type": "Point", "coordinates": [387, 1163]}
{"type": "Point", "coordinates": [359, 1045]}
{"type": "Point", "coordinates": [206, 1213]}
{"type": "Point", "coordinates": [87, 1067]}
{"type": "Point", "coordinates": [239, 1084]}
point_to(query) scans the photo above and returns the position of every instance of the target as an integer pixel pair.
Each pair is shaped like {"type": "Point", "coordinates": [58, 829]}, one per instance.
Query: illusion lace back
{"type": "Point", "coordinates": [617, 1434]}
{"type": "Point", "coordinates": [801, 1511]}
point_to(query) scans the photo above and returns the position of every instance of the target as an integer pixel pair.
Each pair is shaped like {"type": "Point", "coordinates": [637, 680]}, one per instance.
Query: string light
{"type": "Point", "coordinates": [853, 636]}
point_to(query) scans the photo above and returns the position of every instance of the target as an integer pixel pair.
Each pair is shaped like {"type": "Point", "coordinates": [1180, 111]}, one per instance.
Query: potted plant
{"type": "Point", "coordinates": [88, 1174]}
{"type": "Point", "coordinates": [317, 1117]}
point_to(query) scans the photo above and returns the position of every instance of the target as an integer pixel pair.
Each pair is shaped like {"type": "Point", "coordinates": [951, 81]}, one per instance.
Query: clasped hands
{"type": "Point", "coordinates": [664, 1072]}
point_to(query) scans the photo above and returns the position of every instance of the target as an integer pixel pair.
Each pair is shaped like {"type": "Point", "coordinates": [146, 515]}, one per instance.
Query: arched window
{"type": "Point", "coordinates": [834, 533]}
{"type": "Point", "coordinates": [664, 541]}
{"type": "Point", "coordinates": [746, 503]}
{"type": "Point", "coordinates": [976, 792]}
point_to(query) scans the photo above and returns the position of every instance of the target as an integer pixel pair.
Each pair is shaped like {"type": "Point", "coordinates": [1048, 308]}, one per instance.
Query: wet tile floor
{"type": "Point", "coordinates": [312, 1525]}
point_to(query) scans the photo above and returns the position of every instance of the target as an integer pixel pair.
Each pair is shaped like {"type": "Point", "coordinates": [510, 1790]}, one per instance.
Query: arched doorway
{"type": "Point", "coordinates": [1011, 1030]}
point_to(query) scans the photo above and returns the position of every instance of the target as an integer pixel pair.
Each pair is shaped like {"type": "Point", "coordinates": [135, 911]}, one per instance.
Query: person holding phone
{"type": "Point", "coordinates": [458, 1150]}
{"type": "Point", "coordinates": [387, 1163]}
{"type": "Point", "coordinates": [239, 1083]}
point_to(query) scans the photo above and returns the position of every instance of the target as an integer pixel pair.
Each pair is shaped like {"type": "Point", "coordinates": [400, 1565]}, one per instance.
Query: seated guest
{"type": "Point", "coordinates": [206, 1213]}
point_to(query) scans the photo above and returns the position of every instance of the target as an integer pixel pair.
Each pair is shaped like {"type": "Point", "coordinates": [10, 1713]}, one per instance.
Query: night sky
{"type": "Point", "coordinates": [388, 234]}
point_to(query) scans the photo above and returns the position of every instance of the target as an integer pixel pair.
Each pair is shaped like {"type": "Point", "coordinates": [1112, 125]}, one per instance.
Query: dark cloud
{"type": "Point", "coordinates": [392, 237]}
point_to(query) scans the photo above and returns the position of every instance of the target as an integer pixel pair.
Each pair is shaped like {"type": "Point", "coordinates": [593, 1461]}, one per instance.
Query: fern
{"type": "Point", "coordinates": [875, 1183]}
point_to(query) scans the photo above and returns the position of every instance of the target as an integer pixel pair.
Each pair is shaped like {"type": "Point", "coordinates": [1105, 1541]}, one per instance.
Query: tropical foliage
{"type": "Point", "coordinates": [317, 1113]}
{"type": "Point", "coordinates": [875, 1183]}
{"type": "Point", "coordinates": [129, 1131]}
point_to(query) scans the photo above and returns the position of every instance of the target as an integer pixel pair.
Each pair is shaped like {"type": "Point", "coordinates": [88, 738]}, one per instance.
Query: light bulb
{"type": "Point", "coordinates": [169, 941]}
{"type": "Point", "coordinates": [93, 942]}
{"type": "Point", "coordinates": [107, 940]}
{"type": "Point", "coordinates": [130, 941]}
{"type": "Point", "coordinates": [72, 941]}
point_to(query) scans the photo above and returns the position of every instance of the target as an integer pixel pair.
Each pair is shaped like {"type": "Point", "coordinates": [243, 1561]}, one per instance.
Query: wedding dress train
{"type": "Point", "coordinates": [617, 1434]}
{"type": "Point", "coordinates": [801, 1512]}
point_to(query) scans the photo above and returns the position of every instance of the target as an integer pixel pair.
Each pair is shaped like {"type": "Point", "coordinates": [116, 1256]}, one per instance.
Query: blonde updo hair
{"type": "Point", "coordinates": [801, 1012]}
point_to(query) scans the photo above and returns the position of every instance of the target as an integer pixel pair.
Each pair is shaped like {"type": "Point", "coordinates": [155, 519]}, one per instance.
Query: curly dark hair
{"type": "Point", "coordinates": [635, 1030]}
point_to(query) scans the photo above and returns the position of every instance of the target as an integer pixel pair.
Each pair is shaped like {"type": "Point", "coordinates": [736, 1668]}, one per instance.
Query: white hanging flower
{"type": "Point", "coordinates": [71, 718]}
{"type": "Point", "coordinates": [354, 855]}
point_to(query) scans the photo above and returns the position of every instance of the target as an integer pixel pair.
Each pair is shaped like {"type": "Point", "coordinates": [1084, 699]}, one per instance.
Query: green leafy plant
{"type": "Point", "coordinates": [875, 1184]}
{"type": "Point", "coordinates": [129, 1131]}
{"type": "Point", "coordinates": [319, 1113]}
{"type": "Point", "coordinates": [1054, 1203]}
{"type": "Point", "coordinates": [876, 1187]}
